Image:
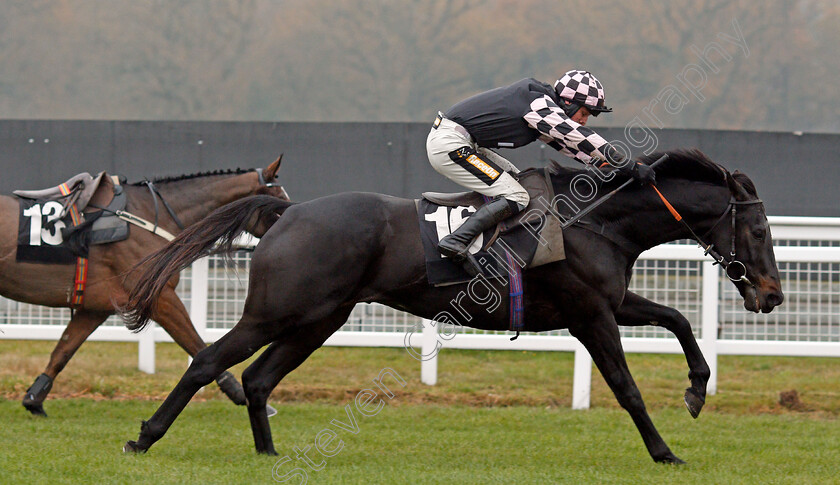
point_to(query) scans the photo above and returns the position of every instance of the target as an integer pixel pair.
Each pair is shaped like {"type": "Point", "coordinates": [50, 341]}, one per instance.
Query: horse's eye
{"type": "Point", "coordinates": [759, 233]}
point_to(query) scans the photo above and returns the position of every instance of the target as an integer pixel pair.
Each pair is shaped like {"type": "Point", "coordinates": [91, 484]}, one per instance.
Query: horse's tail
{"type": "Point", "coordinates": [253, 214]}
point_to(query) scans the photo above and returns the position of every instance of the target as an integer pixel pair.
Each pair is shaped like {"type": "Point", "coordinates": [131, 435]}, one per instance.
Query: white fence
{"type": "Point", "coordinates": [808, 324]}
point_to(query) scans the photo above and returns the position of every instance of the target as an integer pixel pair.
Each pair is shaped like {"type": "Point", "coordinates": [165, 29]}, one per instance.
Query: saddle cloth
{"type": "Point", "coordinates": [531, 238]}
{"type": "Point", "coordinates": [52, 228]}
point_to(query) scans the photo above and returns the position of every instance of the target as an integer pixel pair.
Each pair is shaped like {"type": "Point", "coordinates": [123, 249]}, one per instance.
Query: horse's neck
{"type": "Point", "coordinates": [649, 223]}
{"type": "Point", "coordinates": [192, 200]}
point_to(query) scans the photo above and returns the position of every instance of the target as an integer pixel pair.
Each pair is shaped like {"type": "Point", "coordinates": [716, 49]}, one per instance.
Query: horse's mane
{"type": "Point", "coordinates": [690, 164]}
{"type": "Point", "coordinates": [695, 165]}
{"type": "Point", "coordinates": [176, 178]}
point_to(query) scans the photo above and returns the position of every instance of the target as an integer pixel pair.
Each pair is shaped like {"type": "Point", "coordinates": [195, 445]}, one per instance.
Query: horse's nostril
{"type": "Point", "coordinates": [775, 298]}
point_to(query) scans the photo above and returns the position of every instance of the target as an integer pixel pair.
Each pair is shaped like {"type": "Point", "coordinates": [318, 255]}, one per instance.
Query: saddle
{"type": "Point", "coordinates": [79, 189]}
{"type": "Point", "coordinates": [537, 215]}
{"type": "Point", "coordinates": [89, 204]}
{"type": "Point", "coordinates": [535, 180]}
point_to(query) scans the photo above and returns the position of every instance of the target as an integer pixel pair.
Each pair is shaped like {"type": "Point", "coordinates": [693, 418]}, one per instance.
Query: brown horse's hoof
{"type": "Point", "coordinates": [133, 447]}
{"type": "Point", "coordinates": [694, 402]}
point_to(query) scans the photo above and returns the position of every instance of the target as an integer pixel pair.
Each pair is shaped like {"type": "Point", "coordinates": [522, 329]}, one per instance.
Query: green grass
{"type": "Point", "coordinates": [211, 443]}
{"type": "Point", "coordinates": [494, 417]}
{"type": "Point", "coordinates": [746, 384]}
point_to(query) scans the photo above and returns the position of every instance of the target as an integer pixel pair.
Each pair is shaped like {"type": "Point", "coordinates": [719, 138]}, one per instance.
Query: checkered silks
{"type": "Point", "coordinates": [562, 133]}
{"type": "Point", "coordinates": [582, 87]}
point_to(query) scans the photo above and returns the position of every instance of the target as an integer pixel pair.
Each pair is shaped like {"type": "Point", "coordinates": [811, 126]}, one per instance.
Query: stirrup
{"type": "Point", "coordinates": [471, 266]}
{"type": "Point", "coordinates": [467, 260]}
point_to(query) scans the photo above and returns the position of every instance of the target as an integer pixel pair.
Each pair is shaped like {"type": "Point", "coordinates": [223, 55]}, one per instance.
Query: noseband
{"type": "Point", "coordinates": [735, 270]}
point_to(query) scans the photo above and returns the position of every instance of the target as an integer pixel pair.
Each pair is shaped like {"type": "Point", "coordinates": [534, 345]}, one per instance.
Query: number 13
{"type": "Point", "coordinates": [37, 233]}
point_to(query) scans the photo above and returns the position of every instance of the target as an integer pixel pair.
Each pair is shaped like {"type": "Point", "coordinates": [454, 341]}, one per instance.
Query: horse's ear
{"type": "Point", "coordinates": [271, 171]}
{"type": "Point", "coordinates": [735, 188]}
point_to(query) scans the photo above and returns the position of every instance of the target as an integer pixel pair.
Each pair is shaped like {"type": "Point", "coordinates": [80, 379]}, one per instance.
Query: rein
{"type": "Point", "coordinates": [155, 194]}
{"type": "Point", "coordinates": [735, 270]}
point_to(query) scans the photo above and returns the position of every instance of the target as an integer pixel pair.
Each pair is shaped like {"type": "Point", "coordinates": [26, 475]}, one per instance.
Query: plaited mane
{"type": "Point", "coordinates": [176, 178]}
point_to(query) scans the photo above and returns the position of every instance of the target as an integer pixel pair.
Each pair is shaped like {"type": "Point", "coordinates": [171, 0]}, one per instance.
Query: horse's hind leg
{"type": "Point", "coordinates": [172, 316]}
{"type": "Point", "coordinates": [602, 340]}
{"type": "Point", "coordinates": [234, 347]}
{"type": "Point", "coordinates": [638, 311]}
{"type": "Point", "coordinates": [280, 358]}
{"type": "Point", "coordinates": [81, 325]}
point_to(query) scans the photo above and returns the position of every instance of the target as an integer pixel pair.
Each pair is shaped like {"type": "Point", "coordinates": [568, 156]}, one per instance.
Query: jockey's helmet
{"type": "Point", "coordinates": [578, 89]}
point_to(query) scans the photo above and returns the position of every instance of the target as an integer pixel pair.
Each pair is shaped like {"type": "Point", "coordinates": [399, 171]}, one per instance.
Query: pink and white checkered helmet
{"type": "Point", "coordinates": [584, 89]}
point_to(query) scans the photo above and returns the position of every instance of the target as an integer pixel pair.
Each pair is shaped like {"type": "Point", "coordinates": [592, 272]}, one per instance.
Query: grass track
{"type": "Point", "coordinates": [495, 417]}
{"type": "Point", "coordinates": [211, 443]}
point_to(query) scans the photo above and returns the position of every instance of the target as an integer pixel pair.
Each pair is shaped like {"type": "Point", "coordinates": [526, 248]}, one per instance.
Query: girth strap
{"type": "Point", "coordinates": [77, 298]}
{"type": "Point", "coordinates": [516, 292]}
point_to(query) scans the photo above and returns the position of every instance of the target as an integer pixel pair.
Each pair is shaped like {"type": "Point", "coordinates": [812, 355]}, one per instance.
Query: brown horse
{"type": "Point", "coordinates": [323, 256]}
{"type": "Point", "coordinates": [190, 198]}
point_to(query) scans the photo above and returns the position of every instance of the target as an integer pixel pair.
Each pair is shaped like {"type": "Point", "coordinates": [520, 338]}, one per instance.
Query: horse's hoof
{"type": "Point", "coordinates": [232, 388]}
{"type": "Point", "coordinates": [694, 402]}
{"type": "Point", "coordinates": [133, 447]}
{"type": "Point", "coordinates": [270, 411]}
{"type": "Point", "coordinates": [36, 408]}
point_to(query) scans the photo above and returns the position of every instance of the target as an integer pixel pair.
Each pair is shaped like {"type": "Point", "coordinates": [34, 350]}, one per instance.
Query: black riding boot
{"type": "Point", "coordinates": [455, 245]}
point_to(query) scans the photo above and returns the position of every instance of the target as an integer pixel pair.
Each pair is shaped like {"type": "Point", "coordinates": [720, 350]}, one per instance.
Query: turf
{"type": "Point", "coordinates": [495, 417]}
{"type": "Point", "coordinates": [746, 384]}
{"type": "Point", "coordinates": [211, 443]}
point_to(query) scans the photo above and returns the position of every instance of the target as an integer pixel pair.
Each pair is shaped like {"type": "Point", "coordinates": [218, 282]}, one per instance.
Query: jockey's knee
{"type": "Point", "coordinates": [518, 200]}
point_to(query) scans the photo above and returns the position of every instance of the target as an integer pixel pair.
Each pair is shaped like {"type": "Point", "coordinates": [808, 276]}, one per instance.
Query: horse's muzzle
{"type": "Point", "coordinates": [763, 297]}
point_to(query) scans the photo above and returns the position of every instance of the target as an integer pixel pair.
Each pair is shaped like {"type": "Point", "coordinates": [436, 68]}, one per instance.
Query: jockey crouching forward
{"type": "Point", "coordinates": [461, 141]}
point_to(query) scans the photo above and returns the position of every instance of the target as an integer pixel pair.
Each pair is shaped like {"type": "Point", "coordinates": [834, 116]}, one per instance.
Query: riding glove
{"type": "Point", "coordinates": [640, 172]}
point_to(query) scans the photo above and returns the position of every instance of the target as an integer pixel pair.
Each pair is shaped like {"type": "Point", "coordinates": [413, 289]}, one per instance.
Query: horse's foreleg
{"type": "Point", "coordinates": [639, 311]}
{"type": "Point", "coordinates": [172, 316]}
{"type": "Point", "coordinates": [78, 330]}
{"type": "Point", "coordinates": [602, 340]}
{"type": "Point", "coordinates": [280, 358]}
{"type": "Point", "coordinates": [234, 347]}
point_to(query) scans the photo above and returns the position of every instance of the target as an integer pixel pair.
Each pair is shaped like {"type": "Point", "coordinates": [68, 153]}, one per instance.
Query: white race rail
{"type": "Point", "coordinates": [679, 275]}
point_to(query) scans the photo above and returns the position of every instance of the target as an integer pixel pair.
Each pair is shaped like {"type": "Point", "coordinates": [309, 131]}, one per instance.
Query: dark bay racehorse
{"type": "Point", "coordinates": [191, 198]}
{"type": "Point", "coordinates": [322, 257]}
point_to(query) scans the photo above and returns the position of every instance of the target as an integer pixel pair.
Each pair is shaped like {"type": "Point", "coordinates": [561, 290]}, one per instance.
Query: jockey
{"type": "Point", "coordinates": [460, 145]}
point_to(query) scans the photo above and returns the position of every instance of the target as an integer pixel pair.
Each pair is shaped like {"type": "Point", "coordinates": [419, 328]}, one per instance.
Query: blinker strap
{"type": "Point", "coordinates": [732, 251]}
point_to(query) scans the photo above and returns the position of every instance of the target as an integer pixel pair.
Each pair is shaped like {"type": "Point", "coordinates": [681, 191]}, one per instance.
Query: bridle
{"type": "Point", "coordinates": [157, 195]}
{"type": "Point", "coordinates": [153, 227]}
{"type": "Point", "coordinates": [735, 269]}
{"type": "Point", "coordinates": [270, 184]}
